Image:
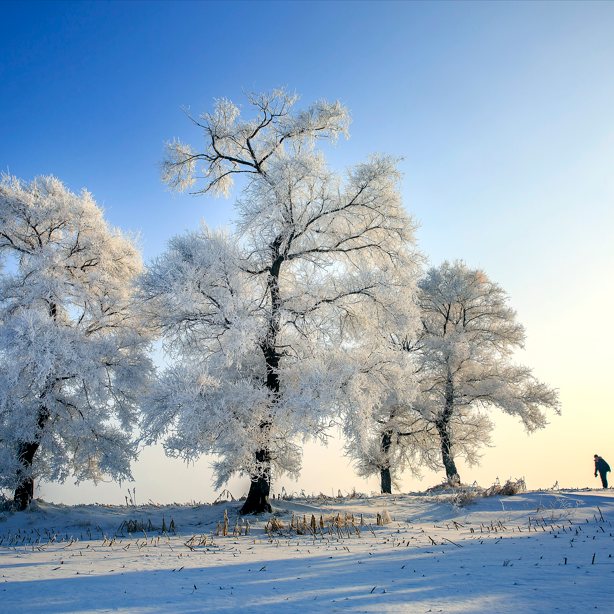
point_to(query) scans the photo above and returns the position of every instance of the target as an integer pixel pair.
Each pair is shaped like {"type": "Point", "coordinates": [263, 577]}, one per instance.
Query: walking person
{"type": "Point", "coordinates": [602, 468]}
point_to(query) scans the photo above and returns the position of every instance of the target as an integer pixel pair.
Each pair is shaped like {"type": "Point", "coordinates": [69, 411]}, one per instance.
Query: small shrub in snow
{"type": "Point", "coordinates": [6, 504]}
{"type": "Point", "coordinates": [464, 498]}
{"type": "Point", "coordinates": [511, 487]}
{"type": "Point", "coordinates": [135, 526]}
{"type": "Point", "coordinates": [274, 525]}
{"type": "Point", "coordinates": [224, 497]}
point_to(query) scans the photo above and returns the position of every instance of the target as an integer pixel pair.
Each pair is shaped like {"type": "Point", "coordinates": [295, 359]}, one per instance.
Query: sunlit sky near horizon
{"type": "Point", "coordinates": [503, 112]}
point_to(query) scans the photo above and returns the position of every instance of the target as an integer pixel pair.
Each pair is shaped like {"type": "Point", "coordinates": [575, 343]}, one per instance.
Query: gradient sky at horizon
{"type": "Point", "coordinates": [502, 111]}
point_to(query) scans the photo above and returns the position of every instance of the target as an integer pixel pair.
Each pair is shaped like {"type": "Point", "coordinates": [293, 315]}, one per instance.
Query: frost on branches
{"type": "Point", "coordinates": [392, 437]}
{"type": "Point", "coordinates": [463, 360]}
{"type": "Point", "coordinates": [461, 357]}
{"type": "Point", "coordinates": [72, 357]}
{"type": "Point", "coordinates": [270, 326]}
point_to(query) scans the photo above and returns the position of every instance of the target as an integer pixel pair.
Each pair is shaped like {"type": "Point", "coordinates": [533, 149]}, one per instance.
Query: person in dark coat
{"type": "Point", "coordinates": [602, 468]}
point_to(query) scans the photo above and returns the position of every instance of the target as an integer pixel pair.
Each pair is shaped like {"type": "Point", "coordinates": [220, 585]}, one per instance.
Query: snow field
{"type": "Point", "coordinates": [535, 552]}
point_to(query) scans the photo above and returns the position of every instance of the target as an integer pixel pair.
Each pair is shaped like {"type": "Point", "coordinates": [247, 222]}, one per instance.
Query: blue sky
{"type": "Point", "coordinates": [502, 111]}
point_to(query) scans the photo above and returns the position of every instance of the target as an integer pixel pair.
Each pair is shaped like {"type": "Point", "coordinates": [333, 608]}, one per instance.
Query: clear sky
{"type": "Point", "coordinates": [504, 113]}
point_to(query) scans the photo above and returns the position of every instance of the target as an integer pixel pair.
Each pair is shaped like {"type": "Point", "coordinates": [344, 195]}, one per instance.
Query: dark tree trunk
{"type": "Point", "coordinates": [443, 428]}
{"type": "Point", "coordinates": [257, 501]}
{"type": "Point", "coordinates": [446, 454]}
{"type": "Point", "coordinates": [385, 476]}
{"type": "Point", "coordinates": [26, 450]}
{"type": "Point", "coordinates": [386, 481]}
{"type": "Point", "coordinates": [24, 493]}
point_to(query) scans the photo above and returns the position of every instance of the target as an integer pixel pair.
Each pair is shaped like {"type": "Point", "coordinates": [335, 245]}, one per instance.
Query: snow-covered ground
{"type": "Point", "coordinates": [534, 552]}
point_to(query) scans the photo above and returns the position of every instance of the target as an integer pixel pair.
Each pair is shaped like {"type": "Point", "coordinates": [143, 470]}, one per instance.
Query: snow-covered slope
{"type": "Point", "coordinates": [534, 552]}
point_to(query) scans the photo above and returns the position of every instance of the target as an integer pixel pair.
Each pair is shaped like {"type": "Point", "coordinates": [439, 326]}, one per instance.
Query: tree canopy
{"type": "Point", "coordinates": [462, 367]}
{"type": "Point", "coordinates": [73, 357]}
{"type": "Point", "coordinates": [269, 325]}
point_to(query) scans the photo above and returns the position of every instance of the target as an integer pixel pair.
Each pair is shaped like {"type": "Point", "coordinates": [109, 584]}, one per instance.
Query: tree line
{"type": "Point", "coordinates": [314, 311]}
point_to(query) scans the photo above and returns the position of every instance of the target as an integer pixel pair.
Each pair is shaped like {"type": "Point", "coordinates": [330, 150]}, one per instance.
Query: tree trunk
{"type": "Point", "coordinates": [443, 428]}
{"type": "Point", "coordinates": [386, 481]}
{"type": "Point", "coordinates": [448, 460]}
{"type": "Point", "coordinates": [257, 501]}
{"type": "Point", "coordinates": [385, 476]}
{"type": "Point", "coordinates": [24, 492]}
{"type": "Point", "coordinates": [26, 450]}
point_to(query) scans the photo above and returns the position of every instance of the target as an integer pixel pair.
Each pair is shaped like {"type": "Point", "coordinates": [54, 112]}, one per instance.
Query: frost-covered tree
{"type": "Point", "coordinates": [462, 367]}
{"type": "Point", "coordinates": [393, 438]}
{"type": "Point", "coordinates": [72, 356]}
{"type": "Point", "coordinates": [270, 327]}
{"type": "Point", "coordinates": [464, 363]}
